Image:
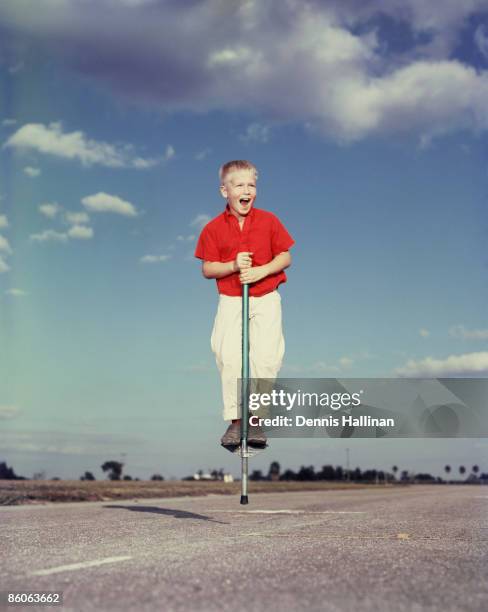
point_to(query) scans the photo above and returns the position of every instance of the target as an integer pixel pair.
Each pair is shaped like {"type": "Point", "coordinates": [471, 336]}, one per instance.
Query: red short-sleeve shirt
{"type": "Point", "coordinates": [262, 234]}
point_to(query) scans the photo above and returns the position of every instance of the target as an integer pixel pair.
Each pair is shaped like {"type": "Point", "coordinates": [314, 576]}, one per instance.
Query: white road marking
{"type": "Point", "coordinates": [288, 511]}
{"type": "Point", "coordinates": [75, 566]}
{"type": "Point", "coordinates": [331, 536]}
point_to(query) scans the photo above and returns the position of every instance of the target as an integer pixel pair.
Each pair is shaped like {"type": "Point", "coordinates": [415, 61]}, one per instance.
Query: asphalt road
{"type": "Point", "coordinates": [392, 549]}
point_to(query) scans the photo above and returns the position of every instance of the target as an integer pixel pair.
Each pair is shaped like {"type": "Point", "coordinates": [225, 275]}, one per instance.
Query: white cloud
{"type": "Point", "coordinates": [200, 221]}
{"type": "Point", "coordinates": [75, 232]}
{"type": "Point", "coordinates": [4, 245]}
{"type": "Point", "coordinates": [203, 154]}
{"type": "Point", "coordinates": [15, 292]}
{"type": "Point", "coordinates": [17, 67]}
{"type": "Point", "coordinates": [51, 140]}
{"type": "Point", "coordinates": [321, 367]}
{"type": "Point", "coordinates": [142, 164]}
{"type": "Point", "coordinates": [4, 267]}
{"type": "Point", "coordinates": [32, 172]}
{"type": "Point", "coordinates": [469, 364]}
{"type": "Point", "coordinates": [104, 202]}
{"type": "Point", "coordinates": [429, 97]}
{"type": "Point", "coordinates": [481, 40]}
{"type": "Point", "coordinates": [329, 63]}
{"type": "Point", "coordinates": [169, 153]}
{"type": "Point", "coordinates": [77, 218]}
{"type": "Point", "coordinates": [81, 232]}
{"type": "Point", "coordinates": [328, 367]}
{"type": "Point", "coordinates": [50, 209]}
{"type": "Point", "coordinates": [459, 331]}
{"type": "Point", "coordinates": [8, 122]}
{"type": "Point", "coordinates": [8, 412]}
{"type": "Point", "coordinates": [154, 258]}
{"type": "Point", "coordinates": [189, 238]}
{"type": "Point", "coordinates": [229, 57]}
{"type": "Point", "coordinates": [346, 362]}
{"type": "Point", "coordinates": [256, 132]}
{"type": "Point", "coordinates": [49, 236]}
{"type": "Point", "coordinates": [3, 221]}
{"type": "Point", "coordinates": [292, 368]}
{"type": "Point", "coordinates": [424, 333]}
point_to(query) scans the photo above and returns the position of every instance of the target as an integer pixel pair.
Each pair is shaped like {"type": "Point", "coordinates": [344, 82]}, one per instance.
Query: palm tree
{"type": "Point", "coordinates": [274, 471]}
{"type": "Point", "coordinates": [447, 469]}
{"type": "Point", "coordinates": [395, 470]}
{"type": "Point", "coordinates": [462, 470]}
{"type": "Point", "coordinates": [475, 469]}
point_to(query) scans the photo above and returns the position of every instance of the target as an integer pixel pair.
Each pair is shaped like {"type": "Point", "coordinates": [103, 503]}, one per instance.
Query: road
{"type": "Point", "coordinates": [413, 548]}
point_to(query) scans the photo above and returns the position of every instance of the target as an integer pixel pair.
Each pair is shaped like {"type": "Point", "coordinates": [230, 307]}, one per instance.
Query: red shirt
{"type": "Point", "coordinates": [262, 234]}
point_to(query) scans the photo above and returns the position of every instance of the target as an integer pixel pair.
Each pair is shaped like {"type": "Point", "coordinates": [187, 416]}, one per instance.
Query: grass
{"type": "Point", "coordinates": [17, 492]}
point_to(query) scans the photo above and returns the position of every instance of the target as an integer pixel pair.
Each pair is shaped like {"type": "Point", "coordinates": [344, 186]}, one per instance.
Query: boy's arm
{"type": "Point", "coordinates": [218, 269]}
{"type": "Point", "coordinates": [279, 263]}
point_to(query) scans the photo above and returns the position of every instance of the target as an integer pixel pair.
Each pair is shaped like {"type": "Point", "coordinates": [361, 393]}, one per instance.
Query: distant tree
{"type": "Point", "coordinates": [217, 474]}
{"type": "Point", "coordinates": [39, 475]}
{"type": "Point", "coordinates": [462, 470]}
{"type": "Point", "coordinates": [394, 469]}
{"type": "Point", "coordinates": [55, 478]}
{"type": "Point", "coordinates": [256, 475]}
{"type": "Point", "coordinates": [424, 478]}
{"type": "Point", "coordinates": [288, 475]}
{"type": "Point", "coordinates": [405, 477]}
{"type": "Point", "coordinates": [306, 473]}
{"type": "Point", "coordinates": [370, 476]}
{"type": "Point", "coordinates": [356, 475]}
{"type": "Point", "coordinates": [157, 477]}
{"type": "Point", "coordinates": [274, 471]}
{"type": "Point", "coordinates": [339, 473]}
{"type": "Point", "coordinates": [326, 473]}
{"type": "Point", "coordinates": [7, 473]}
{"type": "Point", "coordinates": [114, 468]}
{"type": "Point", "coordinates": [447, 469]}
{"type": "Point", "coordinates": [87, 476]}
{"type": "Point", "coordinates": [127, 477]}
{"type": "Point", "coordinates": [475, 469]}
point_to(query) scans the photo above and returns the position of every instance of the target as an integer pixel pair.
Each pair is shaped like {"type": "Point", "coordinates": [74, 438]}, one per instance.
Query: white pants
{"type": "Point", "coordinates": [266, 344]}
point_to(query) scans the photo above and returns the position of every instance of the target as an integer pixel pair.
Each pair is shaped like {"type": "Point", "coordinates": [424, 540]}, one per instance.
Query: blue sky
{"type": "Point", "coordinates": [367, 122]}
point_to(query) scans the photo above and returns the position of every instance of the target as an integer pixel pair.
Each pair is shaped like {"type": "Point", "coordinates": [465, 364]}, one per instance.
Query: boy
{"type": "Point", "coordinates": [245, 245]}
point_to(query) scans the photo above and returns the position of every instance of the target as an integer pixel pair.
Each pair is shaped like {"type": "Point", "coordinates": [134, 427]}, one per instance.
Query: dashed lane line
{"type": "Point", "coordinates": [335, 536]}
{"type": "Point", "coordinates": [75, 566]}
{"type": "Point", "coordinates": [287, 512]}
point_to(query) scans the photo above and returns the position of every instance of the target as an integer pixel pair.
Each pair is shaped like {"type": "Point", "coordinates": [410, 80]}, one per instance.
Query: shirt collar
{"type": "Point", "coordinates": [229, 214]}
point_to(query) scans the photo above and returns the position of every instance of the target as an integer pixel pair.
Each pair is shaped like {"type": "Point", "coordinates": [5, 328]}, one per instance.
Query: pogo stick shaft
{"type": "Point", "coordinates": [245, 393]}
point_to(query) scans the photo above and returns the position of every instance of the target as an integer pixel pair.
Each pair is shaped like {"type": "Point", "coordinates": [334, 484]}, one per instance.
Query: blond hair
{"type": "Point", "coordinates": [236, 164]}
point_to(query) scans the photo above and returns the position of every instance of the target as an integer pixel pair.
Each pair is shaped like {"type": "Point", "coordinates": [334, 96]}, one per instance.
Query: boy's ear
{"type": "Point", "coordinates": [223, 191]}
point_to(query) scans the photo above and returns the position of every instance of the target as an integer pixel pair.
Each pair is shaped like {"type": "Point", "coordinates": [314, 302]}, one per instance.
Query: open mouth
{"type": "Point", "coordinates": [244, 201]}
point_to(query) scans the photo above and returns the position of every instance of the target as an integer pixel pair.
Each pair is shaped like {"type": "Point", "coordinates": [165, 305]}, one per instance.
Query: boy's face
{"type": "Point", "coordinates": [239, 189]}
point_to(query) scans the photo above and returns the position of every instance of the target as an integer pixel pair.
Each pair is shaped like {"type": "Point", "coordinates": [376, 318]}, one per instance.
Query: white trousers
{"type": "Point", "coordinates": [266, 344]}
